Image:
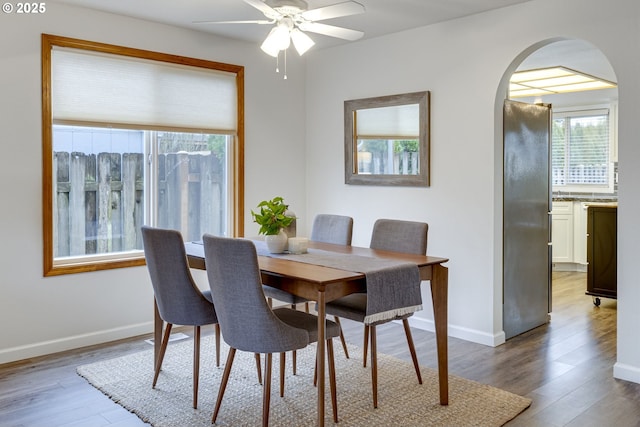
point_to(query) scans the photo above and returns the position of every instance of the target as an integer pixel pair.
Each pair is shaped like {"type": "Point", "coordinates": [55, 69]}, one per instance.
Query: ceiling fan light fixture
{"type": "Point", "coordinates": [270, 45]}
{"type": "Point", "coordinates": [281, 35]}
{"type": "Point", "coordinates": [301, 41]}
{"type": "Point", "coordinates": [277, 40]}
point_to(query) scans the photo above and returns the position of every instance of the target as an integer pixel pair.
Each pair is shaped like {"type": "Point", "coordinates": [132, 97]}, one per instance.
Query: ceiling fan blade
{"type": "Point", "coordinates": [268, 11]}
{"type": "Point", "coordinates": [332, 31]}
{"type": "Point", "coordinates": [333, 11]}
{"type": "Point", "coordinates": [261, 21]}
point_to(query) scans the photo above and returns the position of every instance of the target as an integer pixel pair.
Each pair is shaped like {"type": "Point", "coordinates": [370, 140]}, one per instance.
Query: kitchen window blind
{"type": "Point", "coordinates": [580, 148]}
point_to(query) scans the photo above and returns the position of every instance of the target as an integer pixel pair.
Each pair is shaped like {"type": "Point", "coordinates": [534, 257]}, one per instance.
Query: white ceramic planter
{"type": "Point", "coordinates": [276, 243]}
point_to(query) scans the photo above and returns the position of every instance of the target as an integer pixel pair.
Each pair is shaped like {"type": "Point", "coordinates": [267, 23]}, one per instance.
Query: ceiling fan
{"type": "Point", "coordinates": [291, 18]}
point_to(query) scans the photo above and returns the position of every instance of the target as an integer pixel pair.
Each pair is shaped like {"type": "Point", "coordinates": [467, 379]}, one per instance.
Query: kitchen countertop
{"type": "Point", "coordinates": [586, 198]}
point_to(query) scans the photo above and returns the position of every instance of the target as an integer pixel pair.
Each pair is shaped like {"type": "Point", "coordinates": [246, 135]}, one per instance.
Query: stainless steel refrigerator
{"type": "Point", "coordinates": [526, 226]}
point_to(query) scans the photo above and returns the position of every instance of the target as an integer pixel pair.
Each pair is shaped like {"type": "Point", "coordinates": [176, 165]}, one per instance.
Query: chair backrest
{"type": "Point", "coordinates": [400, 236]}
{"type": "Point", "coordinates": [179, 300]}
{"type": "Point", "coordinates": [246, 321]}
{"type": "Point", "coordinates": [336, 229]}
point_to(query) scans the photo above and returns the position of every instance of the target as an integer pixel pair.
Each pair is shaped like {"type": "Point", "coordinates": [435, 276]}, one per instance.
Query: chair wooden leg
{"type": "Point", "coordinates": [412, 349]}
{"type": "Point", "coordinates": [374, 366]}
{"type": "Point", "coordinates": [294, 356]}
{"type": "Point", "coordinates": [259, 368]}
{"type": "Point", "coordinates": [217, 331]}
{"type": "Point", "coordinates": [365, 346]}
{"type": "Point", "coordinates": [332, 379]}
{"type": "Point", "coordinates": [223, 383]}
{"type": "Point", "coordinates": [315, 371]}
{"type": "Point", "coordinates": [196, 364]}
{"type": "Point", "coordinates": [306, 307]}
{"type": "Point", "coordinates": [344, 343]}
{"type": "Point", "coordinates": [270, 302]}
{"type": "Point", "coordinates": [283, 357]}
{"type": "Point", "coordinates": [266, 392]}
{"type": "Point", "coordinates": [163, 348]}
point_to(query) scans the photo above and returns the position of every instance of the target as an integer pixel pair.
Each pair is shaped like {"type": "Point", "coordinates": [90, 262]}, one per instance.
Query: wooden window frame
{"type": "Point", "coordinates": [236, 199]}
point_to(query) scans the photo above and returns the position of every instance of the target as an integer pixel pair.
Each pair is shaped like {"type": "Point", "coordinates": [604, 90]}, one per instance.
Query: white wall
{"type": "Point", "coordinates": [44, 315]}
{"type": "Point", "coordinates": [465, 64]}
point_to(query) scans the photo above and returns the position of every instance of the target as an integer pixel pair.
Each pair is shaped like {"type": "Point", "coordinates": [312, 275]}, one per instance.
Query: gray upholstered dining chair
{"type": "Point", "coordinates": [329, 228]}
{"type": "Point", "coordinates": [178, 299]}
{"type": "Point", "coordinates": [326, 228]}
{"type": "Point", "coordinates": [247, 321]}
{"type": "Point", "coordinates": [390, 235]}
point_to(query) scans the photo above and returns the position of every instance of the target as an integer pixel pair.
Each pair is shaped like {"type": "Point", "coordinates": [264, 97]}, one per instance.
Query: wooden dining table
{"type": "Point", "coordinates": [322, 284]}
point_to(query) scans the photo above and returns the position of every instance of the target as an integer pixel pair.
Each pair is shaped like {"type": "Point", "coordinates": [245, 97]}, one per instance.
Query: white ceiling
{"type": "Point", "coordinates": [381, 17]}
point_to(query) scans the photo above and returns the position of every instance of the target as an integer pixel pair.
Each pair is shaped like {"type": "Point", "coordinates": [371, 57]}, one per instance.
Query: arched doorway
{"type": "Point", "coordinates": [569, 242]}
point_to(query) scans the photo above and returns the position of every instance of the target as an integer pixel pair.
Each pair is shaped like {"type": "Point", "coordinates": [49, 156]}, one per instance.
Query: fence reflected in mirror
{"type": "Point", "coordinates": [387, 140]}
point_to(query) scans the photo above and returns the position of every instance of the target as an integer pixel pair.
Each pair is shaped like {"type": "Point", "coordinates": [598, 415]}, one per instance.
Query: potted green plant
{"type": "Point", "coordinates": [272, 219]}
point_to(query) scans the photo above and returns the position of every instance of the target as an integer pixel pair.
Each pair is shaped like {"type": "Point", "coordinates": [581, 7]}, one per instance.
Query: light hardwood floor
{"type": "Point", "coordinates": [564, 366]}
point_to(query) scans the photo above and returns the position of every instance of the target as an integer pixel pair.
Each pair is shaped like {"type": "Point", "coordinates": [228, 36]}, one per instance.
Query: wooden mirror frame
{"type": "Point", "coordinates": [350, 137]}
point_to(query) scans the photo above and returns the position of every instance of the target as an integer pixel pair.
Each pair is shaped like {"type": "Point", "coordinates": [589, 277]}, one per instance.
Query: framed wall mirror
{"type": "Point", "coordinates": [386, 140]}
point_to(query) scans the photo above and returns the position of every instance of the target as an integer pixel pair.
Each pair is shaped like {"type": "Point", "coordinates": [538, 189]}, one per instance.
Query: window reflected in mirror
{"type": "Point", "coordinates": [387, 140]}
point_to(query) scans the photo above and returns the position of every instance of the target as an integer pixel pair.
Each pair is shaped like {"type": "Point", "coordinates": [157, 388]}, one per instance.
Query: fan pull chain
{"type": "Point", "coordinates": [285, 64]}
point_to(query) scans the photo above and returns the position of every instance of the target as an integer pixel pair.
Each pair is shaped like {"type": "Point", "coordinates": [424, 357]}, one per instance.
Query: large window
{"type": "Point", "coordinates": [581, 142]}
{"type": "Point", "coordinates": [133, 137]}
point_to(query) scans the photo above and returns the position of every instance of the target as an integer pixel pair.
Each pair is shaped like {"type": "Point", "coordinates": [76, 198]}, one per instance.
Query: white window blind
{"type": "Point", "coordinates": [95, 87]}
{"type": "Point", "coordinates": [402, 121]}
{"type": "Point", "coordinates": [580, 148]}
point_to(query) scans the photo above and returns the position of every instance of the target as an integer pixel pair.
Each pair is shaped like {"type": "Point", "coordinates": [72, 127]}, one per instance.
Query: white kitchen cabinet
{"type": "Point", "coordinates": [569, 234]}
{"type": "Point", "coordinates": [562, 232]}
{"type": "Point", "coordinates": [580, 233]}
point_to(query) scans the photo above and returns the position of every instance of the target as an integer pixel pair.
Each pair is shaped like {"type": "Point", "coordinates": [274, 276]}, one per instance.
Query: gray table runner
{"type": "Point", "coordinates": [393, 287]}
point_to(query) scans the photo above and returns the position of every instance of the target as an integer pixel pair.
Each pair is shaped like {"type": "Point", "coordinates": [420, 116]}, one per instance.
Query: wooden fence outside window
{"type": "Point", "coordinates": [100, 199]}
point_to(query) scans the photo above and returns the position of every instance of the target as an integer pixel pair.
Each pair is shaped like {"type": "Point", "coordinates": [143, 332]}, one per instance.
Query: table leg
{"type": "Point", "coordinates": [320, 356]}
{"type": "Point", "coordinates": [158, 326]}
{"type": "Point", "coordinates": [439, 291]}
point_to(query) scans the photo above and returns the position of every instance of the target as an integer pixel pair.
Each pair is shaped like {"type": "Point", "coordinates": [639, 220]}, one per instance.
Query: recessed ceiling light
{"type": "Point", "coordinates": [553, 80]}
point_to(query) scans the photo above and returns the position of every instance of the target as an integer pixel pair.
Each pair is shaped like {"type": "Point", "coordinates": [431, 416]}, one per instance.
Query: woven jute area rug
{"type": "Point", "coordinates": [401, 400]}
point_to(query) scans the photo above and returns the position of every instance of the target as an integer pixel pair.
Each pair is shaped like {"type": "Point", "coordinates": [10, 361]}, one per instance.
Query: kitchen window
{"type": "Point", "coordinates": [134, 137]}
{"type": "Point", "coordinates": [581, 150]}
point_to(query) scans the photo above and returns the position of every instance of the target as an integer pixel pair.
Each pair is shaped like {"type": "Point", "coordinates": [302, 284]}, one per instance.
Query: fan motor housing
{"type": "Point", "coordinates": [288, 7]}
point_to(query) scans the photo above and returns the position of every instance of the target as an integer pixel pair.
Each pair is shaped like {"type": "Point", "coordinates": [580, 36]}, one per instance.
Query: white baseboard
{"type": "Point", "coordinates": [626, 372]}
{"type": "Point", "coordinates": [68, 343]}
{"type": "Point", "coordinates": [569, 266]}
{"type": "Point", "coordinates": [462, 333]}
